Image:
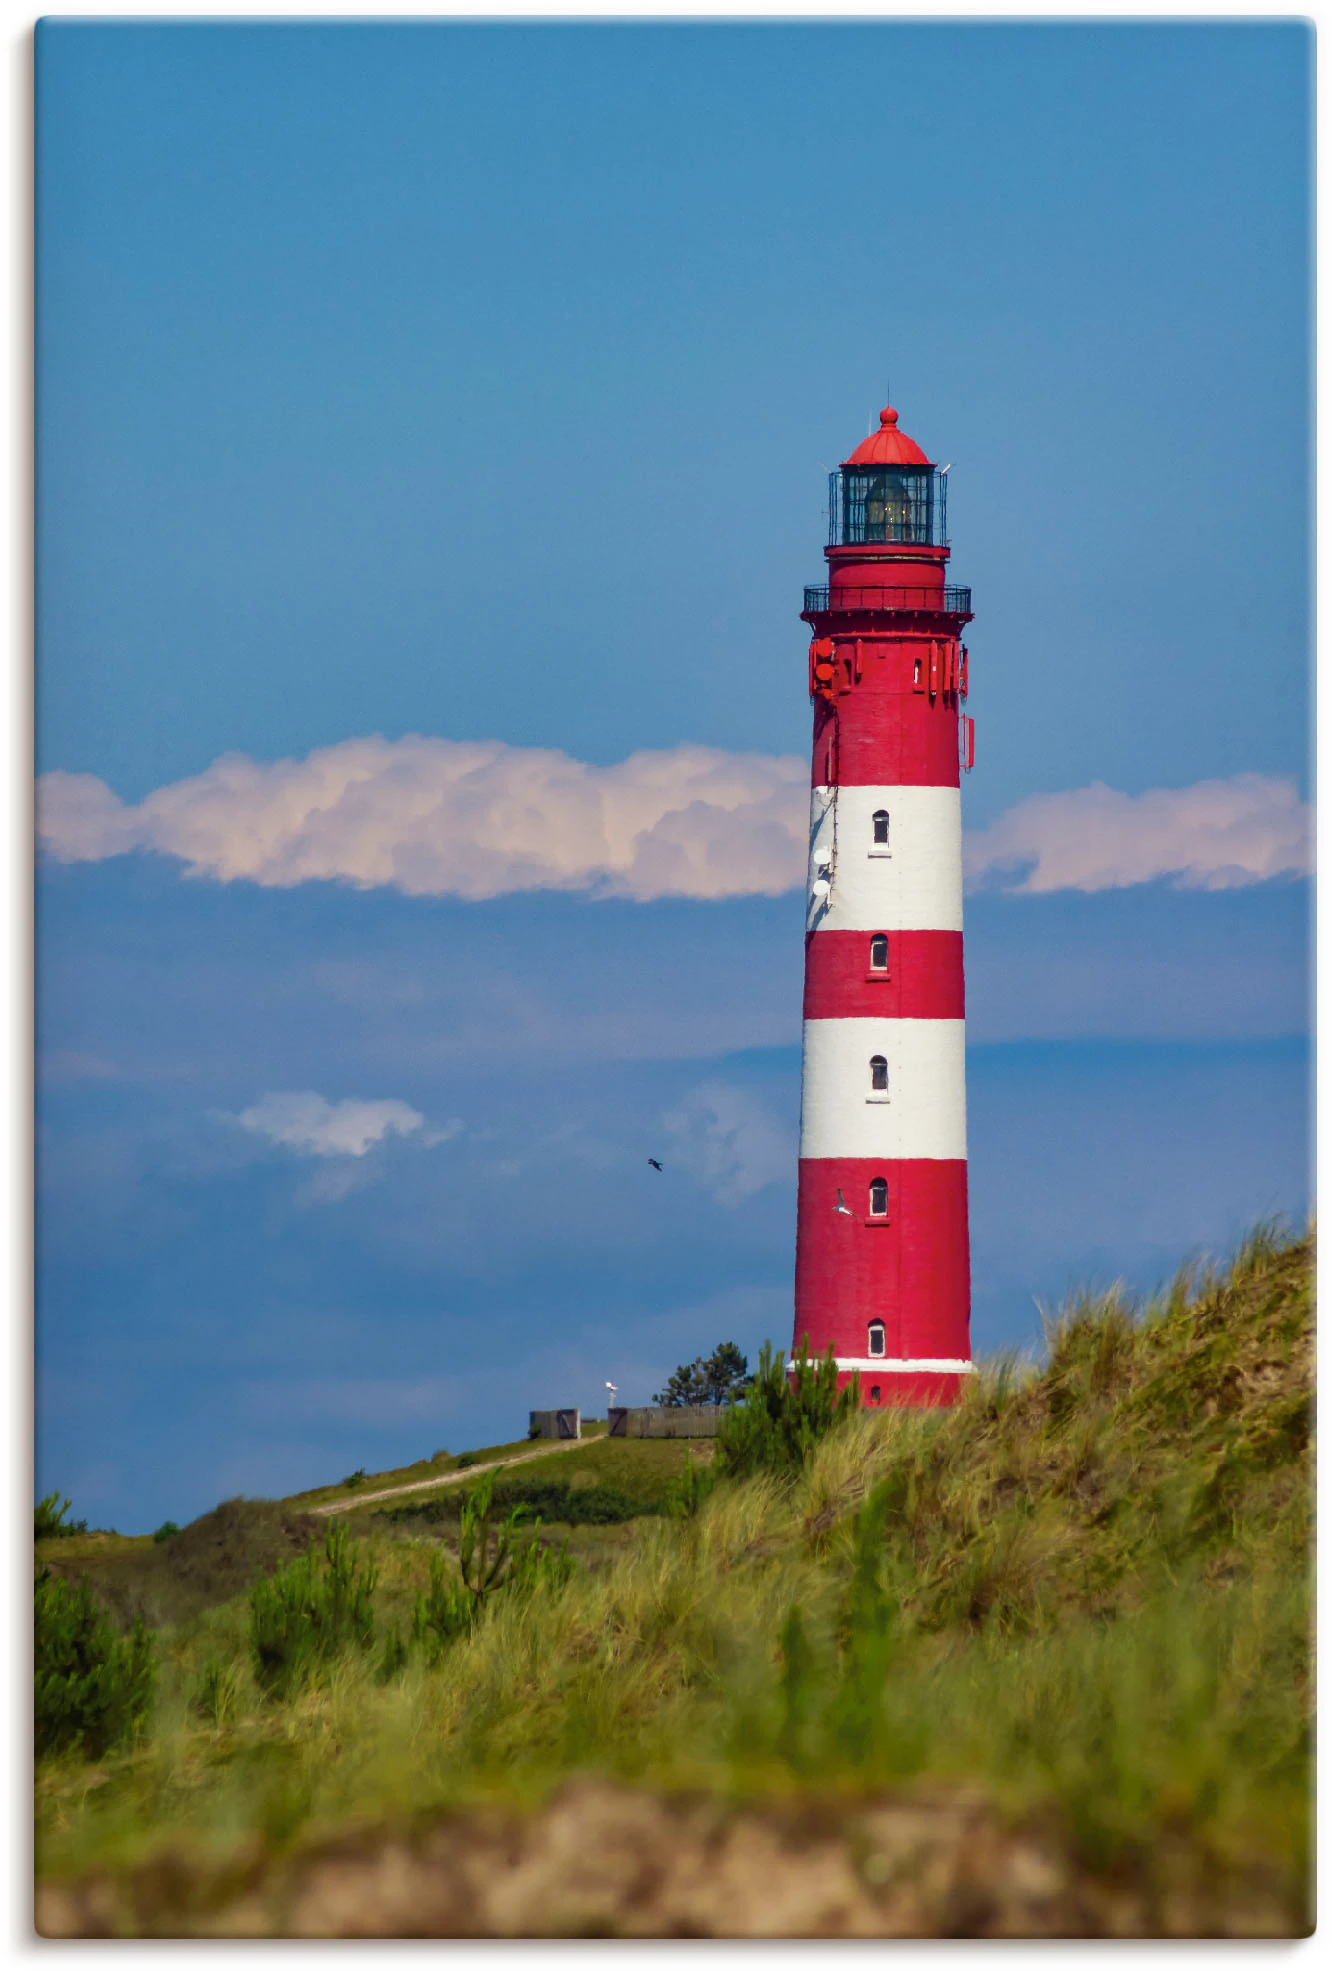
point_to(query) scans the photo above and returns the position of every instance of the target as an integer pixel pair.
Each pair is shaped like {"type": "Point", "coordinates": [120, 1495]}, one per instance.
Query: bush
{"type": "Point", "coordinates": [50, 1522]}
{"type": "Point", "coordinates": [445, 1612]}
{"type": "Point", "coordinates": [783, 1415]}
{"type": "Point", "coordinates": [393, 1656]}
{"type": "Point", "coordinates": [92, 1687]}
{"type": "Point", "coordinates": [355, 1478]}
{"type": "Point", "coordinates": [166, 1531]}
{"type": "Point", "coordinates": [308, 1614]}
{"type": "Point", "coordinates": [547, 1498]}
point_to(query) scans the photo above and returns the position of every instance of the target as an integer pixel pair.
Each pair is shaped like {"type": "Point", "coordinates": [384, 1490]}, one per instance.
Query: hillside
{"type": "Point", "coordinates": [1039, 1666]}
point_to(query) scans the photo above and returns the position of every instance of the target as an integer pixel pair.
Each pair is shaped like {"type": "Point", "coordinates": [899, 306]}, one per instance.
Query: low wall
{"type": "Point", "coordinates": [668, 1420]}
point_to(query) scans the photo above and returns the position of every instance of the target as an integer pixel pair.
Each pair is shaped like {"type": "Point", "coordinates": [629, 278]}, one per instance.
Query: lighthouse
{"type": "Point", "coordinates": [882, 1257]}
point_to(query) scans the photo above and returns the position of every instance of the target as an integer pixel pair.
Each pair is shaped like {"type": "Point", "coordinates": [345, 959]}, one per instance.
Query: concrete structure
{"type": "Point", "coordinates": [882, 1259]}
{"type": "Point", "coordinates": [555, 1423]}
{"type": "Point", "coordinates": [666, 1420]}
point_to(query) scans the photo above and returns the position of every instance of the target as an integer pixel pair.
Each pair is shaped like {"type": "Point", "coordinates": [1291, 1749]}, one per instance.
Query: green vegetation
{"type": "Point", "coordinates": [92, 1688]}
{"type": "Point", "coordinates": [50, 1521]}
{"type": "Point", "coordinates": [1084, 1594]}
{"type": "Point", "coordinates": [784, 1416]}
{"type": "Point", "coordinates": [309, 1615]}
{"type": "Point", "coordinates": [551, 1499]}
{"type": "Point", "coordinates": [722, 1377]}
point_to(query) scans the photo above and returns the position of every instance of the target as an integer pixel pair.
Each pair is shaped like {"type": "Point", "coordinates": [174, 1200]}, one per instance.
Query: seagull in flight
{"type": "Point", "coordinates": [844, 1207]}
{"type": "Point", "coordinates": [654, 1163]}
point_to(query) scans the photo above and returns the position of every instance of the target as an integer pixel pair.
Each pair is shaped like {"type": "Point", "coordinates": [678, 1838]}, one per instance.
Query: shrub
{"type": "Point", "coordinates": [393, 1656]}
{"type": "Point", "coordinates": [783, 1415]}
{"type": "Point", "coordinates": [50, 1522]}
{"type": "Point", "coordinates": [485, 1542]}
{"type": "Point", "coordinates": [445, 1612]}
{"type": "Point", "coordinates": [166, 1531]}
{"type": "Point", "coordinates": [308, 1614]}
{"type": "Point", "coordinates": [546, 1498]}
{"type": "Point", "coordinates": [355, 1478]}
{"type": "Point", "coordinates": [92, 1687]}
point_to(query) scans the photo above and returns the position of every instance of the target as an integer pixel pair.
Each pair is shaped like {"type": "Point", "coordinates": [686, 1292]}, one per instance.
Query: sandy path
{"type": "Point", "coordinates": [448, 1477]}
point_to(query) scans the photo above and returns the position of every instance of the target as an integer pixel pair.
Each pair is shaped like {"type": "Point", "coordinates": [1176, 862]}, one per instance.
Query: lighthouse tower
{"type": "Point", "coordinates": [882, 1261]}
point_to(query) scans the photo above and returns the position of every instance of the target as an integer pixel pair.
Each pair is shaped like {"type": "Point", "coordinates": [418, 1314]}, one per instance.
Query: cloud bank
{"type": "Point", "coordinates": [1215, 835]}
{"type": "Point", "coordinates": [316, 1127]}
{"type": "Point", "coordinates": [441, 817]}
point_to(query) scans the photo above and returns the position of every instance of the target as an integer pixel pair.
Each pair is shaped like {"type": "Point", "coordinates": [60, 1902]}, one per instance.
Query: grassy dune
{"type": "Point", "coordinates": [1073, 1614]}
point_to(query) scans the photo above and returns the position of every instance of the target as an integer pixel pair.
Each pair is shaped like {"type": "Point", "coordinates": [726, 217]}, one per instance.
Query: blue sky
{"type": "Point", "coordinates": [477, 383]}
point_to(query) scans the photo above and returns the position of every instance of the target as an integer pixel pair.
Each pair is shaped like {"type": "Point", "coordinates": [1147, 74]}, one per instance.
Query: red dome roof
{"type": "Point", "coordinates": [887, 446]}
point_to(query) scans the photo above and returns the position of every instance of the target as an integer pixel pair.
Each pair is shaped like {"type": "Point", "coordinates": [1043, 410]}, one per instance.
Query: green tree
{"type": "Point", "coordinates": [722, 1377]}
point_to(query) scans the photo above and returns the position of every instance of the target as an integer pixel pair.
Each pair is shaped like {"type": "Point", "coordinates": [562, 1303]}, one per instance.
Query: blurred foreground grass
{"type": "Point", "coordinates": [1083, 1597]}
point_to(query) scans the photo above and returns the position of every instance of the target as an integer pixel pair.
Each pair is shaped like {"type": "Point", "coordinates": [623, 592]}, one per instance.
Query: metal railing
{"type": "Point", "coordinates": [951, 602]}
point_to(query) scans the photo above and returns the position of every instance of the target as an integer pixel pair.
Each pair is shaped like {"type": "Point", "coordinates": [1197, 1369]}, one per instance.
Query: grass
{"type": "Point", "coordinates": [425, 1468]}
{"type": "Point", "coordinates": [1086, 1591]}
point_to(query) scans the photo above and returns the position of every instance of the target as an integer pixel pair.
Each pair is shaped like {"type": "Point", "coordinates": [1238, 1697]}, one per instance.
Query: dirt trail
{"type": "Point", "coordinates": [448, 1477]}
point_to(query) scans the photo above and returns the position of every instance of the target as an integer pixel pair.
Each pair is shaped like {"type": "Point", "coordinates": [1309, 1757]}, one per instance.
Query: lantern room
{"type": "Point", "coordinates": [887, 493]}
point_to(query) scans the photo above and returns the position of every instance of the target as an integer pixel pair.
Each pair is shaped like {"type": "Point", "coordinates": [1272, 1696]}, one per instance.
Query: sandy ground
{"type": "Point", "coordinates": [607, 1861]}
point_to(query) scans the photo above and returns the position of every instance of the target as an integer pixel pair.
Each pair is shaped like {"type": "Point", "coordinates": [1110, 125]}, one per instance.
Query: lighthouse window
{"type": "Point", "coordinates": [877, 1340]}
{"type": "Point", "coordinates": [879, 1197]}
{"type": "Point", "coordinates": [902, 503]}
{"type": "Point", "coordinates": [879, 954]}
{"type": "Point", "coordinates": [879, 1074]}
{"type": "Point", "coordinates": [876, 1394]}
{"type": "Point", "coordinates": [881, 829]}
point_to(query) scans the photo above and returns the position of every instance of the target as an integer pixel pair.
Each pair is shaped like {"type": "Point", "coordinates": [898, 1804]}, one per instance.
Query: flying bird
{"type": "Point", "coordinates": [844, 1207]}
{"type": "Point", "coordinates": [654, 1163]}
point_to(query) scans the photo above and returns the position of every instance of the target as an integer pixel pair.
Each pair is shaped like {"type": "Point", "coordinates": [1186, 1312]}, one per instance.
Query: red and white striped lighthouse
{"type": "Point", "coordinates": [882, 1260]}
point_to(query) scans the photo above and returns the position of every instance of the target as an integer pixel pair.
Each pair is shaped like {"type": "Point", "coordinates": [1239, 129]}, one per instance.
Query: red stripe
{"type": "Point", "coordinates": [874, 736]}
{"type": "Point", "coordinates": [923, 980]}
{"type": "Point", "coordinates": [921, 1389]}
{"type": "Point", "coordinates": [911, 1272]}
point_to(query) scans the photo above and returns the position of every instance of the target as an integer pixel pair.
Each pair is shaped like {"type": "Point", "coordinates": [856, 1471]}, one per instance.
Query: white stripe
{"type": "Point", "coordinates": [925, 1110]}
{"type": "Point", "coordinates": [915, 886]}
{"type": "Point", "coordinates": [934, 1364]}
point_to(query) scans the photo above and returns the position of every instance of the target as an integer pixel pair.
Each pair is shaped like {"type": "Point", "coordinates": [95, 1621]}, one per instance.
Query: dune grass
{"type": "Point", "coordinates": [1086, 1590]}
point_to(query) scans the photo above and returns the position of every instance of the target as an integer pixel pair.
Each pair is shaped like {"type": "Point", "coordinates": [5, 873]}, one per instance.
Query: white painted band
{"type": "Point", "coordinates": [922, 1112]}
{"type": "Point", "coordinates": [932, 1365]}
{"type": "Point", "coordinates": [915, 886]}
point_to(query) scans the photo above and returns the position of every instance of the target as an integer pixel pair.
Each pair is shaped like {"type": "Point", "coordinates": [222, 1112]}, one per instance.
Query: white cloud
{"type": "Point", "coordinates": [729, 1142]}
{"type": "Point", "coordinates": [1215, 835]}
{"type": "Point", "coordinates": [439, 817]}
{"type": "Point", "coordinates": [313, 1126]}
